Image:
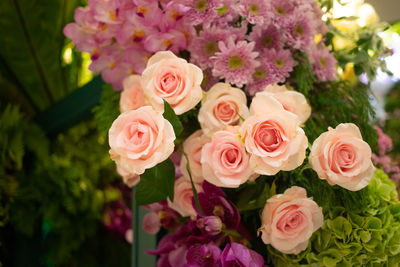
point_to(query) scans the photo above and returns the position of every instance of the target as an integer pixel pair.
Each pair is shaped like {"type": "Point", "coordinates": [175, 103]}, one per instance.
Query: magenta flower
{"type": "Point", "coordinates": [235, 62]}
{"type": "Point", "coordinates": [214, 202]}
{"type": "Point", "coordinates": [235, 254]}
{"type": "Point", "coordinates": [266, 38]}
{"type": "Point", "coordinates": [279, 64]}
{"type": "Point", "coordinates": [211, 225]}
{"type": "Point", "coordinates": [203, 255]}
{"type": "Point", "coordinates": [323, 63]}
{"type": "Point", "coordinates": [255, 11]}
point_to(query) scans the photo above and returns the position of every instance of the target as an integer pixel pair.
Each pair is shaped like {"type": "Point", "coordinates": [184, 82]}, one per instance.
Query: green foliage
{"type": "Point", "coordinates": [31, 56]}
{"type": "Point", "coordinates": [170, 115]}
{"type": "Point", "coordinates": [367, 234]}
{"type": "Point", "coordinates": [66, 190]}
{"type": "Point", "coordinates": [108, 109]}
{"type": "Point", "coordinates": [156, 184]}
{"type": "Point", "coordinates": [302, 75]}
{"type": "Point", "coordinates": [392, 125]}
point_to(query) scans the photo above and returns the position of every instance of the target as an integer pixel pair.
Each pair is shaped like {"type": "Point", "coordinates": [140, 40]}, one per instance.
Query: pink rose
{"type": "Point", "coordinates": [140, 139]}
{"type": "Point", "coordinates": [342, 157]}
{"type": "Point", "coordinates": [132, 96]}
{"type": "Point", "coordinates": [183, 195]}
{"type": "Point", "coordinates": [222, 106]}
{"type": "Point", "coordinates": [224, 160]}
{"type": "Point", "coordinates": [192, 147]}
{"type": "Point", "coordinates": [173, 79]}
{"type": "Point", "coordinates": [129, 179]}
{"type": "Point", "coordinates": [273, 137]}
{"type": "Point", "coordinates": [291, 101]}
{"type": "Point", "coordinates": [289, 219]}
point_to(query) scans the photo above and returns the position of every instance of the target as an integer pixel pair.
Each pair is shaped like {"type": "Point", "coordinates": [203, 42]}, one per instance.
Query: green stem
{"type": "Point", "coordinates": [195, 196]}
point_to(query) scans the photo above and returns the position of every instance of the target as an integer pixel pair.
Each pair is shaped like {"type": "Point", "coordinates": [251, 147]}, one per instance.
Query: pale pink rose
{"type": "Point", "coordinates": [173, 79]}
{"type": "Point", "coordinates": [151, 223]}
{"type": "Point", "coordinates": [183, 195]}
{"type": "Point", "coordinates": [291, 101]}
{"type": "Point", "coordinates": [223, 105]}
{"type": "Point", "coordinates": [224, 160]}
{"type": "Point", "coordinates": [273, 138]}
{"type": "Point", "coordinates": [129, 179]}
{"type": "Point", "coordinates": [129, 236]}
{"type": "Point", "coordinates": [192, 147]}
{"type": "Point", "coordinates": [132, 96]}
{"type": "Point", "coordinates": [342, 157]}
{"type": "Point", "coordinates": [140, 139]}
{"type": "Point", "coordinates": [289, 219]}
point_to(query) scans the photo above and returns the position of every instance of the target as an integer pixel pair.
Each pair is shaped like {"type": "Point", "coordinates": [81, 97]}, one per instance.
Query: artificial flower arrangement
{"type": "Point", "coordinates": [232, 152]}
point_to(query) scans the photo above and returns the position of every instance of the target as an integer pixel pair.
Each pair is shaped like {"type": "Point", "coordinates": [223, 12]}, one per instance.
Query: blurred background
{"type": "Point", "coordinates": [61, 201]}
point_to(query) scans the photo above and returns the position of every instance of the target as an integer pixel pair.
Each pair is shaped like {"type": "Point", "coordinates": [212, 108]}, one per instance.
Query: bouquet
{"type": "Point", "coordinates": [241, 137]}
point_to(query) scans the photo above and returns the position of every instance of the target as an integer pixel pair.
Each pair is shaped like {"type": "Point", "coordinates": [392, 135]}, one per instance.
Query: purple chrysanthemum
{"type": "Point", "coordinates": [261, 79]}
{"type": "Point", "coordinates": [323, 63]}
{"type": "Point", "coordinates": [281, 10]}
{"type": "Point", "coordinates": [279, 64]}
{"type": "Point", "coordinates": [235, 62]}
{"type": "Point", "coordinates": [199, 11]}
{"type": "Point", "coordinates": [205, 45]}
{"type": "Point", "coordinates": [299, 31]}
{"type": "Point", "coordinates": [255, 11]}
{"type": "Point", "coordinates": [266, 37]}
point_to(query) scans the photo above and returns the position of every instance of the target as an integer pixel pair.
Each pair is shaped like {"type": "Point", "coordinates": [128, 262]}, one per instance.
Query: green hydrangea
{"type": "Point", "coordinates": [367, 237]}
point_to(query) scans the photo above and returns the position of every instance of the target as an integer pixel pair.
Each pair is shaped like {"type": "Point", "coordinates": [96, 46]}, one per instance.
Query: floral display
{"type": "Point", "coordinates": [238, 134]}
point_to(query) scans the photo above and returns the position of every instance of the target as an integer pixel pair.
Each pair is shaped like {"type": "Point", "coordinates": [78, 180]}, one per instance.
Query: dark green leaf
{"type": "Point", "coordinates": [170, 115]}
{"type": "Point", "coordinates": [156, 184]}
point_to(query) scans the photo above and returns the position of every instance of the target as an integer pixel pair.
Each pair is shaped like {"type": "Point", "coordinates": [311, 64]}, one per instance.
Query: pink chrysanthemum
{"type": "Point", "coordinates": [255, 11]}
{"type": "Point", "coordinates": [281, 10]}
{"type": "Point", "coordinates": [279, 64]}
{"type": "Point", "coordinates": [199, 11]}
{"type": "Point", "coordinates": [205, 45]}
{"type": "Point", "coordinates": [299, 31]}
{"type": "Point", "coordinates": [323, 63]}
{"type": "Point", "coordinates": [226, 12]}
{"type": "Point", "coordinates": [235, 62]}
{"type": "Point", "coordinates": [261, 78]}
{"type": "Point", "coordinates": [266, 38]}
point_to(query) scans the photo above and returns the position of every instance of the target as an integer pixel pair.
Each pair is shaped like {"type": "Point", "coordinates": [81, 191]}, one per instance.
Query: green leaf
{"type": "Point", "coordinates": [170, 115]}
{"type": "Point", "coordinates": [156, 184]}
{"type": "Point", "coordinates": [31, 50]}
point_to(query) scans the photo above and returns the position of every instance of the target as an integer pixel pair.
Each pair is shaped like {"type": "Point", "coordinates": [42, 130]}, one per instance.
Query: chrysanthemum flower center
{"type": "Point", "coordinates": [211, 47]}
{"type": "Point", "coordinates": [235, 62]}
{"type": "Point", "coordinates": [253, 9]}
{"type": "Point", "coordinates": [201, 5]}
{"type": "Point", "coordinates": [267, 40]}
{"type": "Point", "coordinates": [322, 61]}
{"type": "Point", "coordinates": [259, 74]}
{"type": "Point", "coordinates": [279, 63]}
{"type": "Point", "coordinates": [299, 30]}
{"type": "Point", "coordinates": [281, 11]}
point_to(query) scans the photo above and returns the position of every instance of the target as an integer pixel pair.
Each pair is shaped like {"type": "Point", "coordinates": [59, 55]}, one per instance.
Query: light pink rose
{"type": "Point", "coordinates": [173, 79]}
{"type": "Point", "coordinates": [224, 160]}
{"type": "Point", "coordinates": [222, 106]}
{"type": "Point", "coordinates": [291, 101]}
{"type": "Point", "coordinates": [289, 219]}
{"type": "Point", "coordinates": [132, 96]}
{"type": "Point", "coordinates": [183, 195]}
{"type": "Point", "coordinates": [140, 139]}
{"type": "Point", "coordinates": [273, 137]}
{"type": "Point", "coordinates": [342, 157]}
{"type": "Point", "coordinates": [192, 147]}
{"type": "Point", "coordinates": [129, 179]}
{"type": "Point", "coordinates": [129, 236]}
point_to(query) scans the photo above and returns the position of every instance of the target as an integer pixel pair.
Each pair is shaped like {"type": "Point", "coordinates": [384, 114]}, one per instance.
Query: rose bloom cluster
{"type": "Point", "coordinates": [236, 143]}
{"type": "Point", "coordinates": [249, 43]}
